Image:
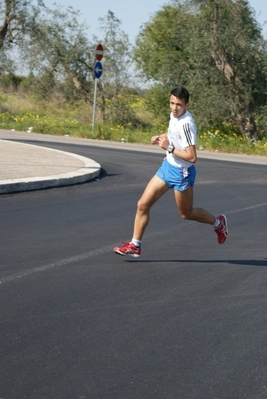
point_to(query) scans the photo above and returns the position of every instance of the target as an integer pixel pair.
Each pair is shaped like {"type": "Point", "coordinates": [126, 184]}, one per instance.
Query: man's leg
{"type": "Point", "coordinates": [184, 202]}
{"type": "Point", "coordinates": [153, 191]}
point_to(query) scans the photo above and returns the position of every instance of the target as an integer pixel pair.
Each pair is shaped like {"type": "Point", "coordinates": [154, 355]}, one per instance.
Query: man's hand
{"type": "Point", "coordinates": [155, 139]}
{"type": "Point", "coordinates": [163, 141]}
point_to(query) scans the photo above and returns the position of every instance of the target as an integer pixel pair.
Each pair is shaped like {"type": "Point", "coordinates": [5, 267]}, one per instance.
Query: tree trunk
{"type": "Point", "coordinates": [245, 121]}
{"type": "Point", "coordinates": [247, 126]}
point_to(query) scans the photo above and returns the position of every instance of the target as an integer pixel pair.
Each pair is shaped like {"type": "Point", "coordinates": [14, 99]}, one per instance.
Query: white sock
{"type": "Point", "coordinates": [137, 243]}
{"type": "Point", "coordinates": [217, 223]}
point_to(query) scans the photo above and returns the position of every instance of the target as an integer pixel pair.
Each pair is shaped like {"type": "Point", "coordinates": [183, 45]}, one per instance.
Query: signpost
{"type": "Point", "coordinates": [99, 52]}
{"type": "Point", "coordinates": [98, 69]}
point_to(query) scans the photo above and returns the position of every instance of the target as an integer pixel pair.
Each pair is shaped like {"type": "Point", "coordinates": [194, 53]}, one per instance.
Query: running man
{"type": "Point", "coordinates": [177, 172]}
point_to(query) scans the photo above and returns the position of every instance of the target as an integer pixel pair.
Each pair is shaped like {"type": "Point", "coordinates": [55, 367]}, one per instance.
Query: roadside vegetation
{"type": "Point", "coordinates": [214, 48]}
{"type": "Point", "coordinates": [23, 113]}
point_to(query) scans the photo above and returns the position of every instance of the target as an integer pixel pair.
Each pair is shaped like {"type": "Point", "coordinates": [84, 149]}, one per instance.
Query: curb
{"type": "Point", "coordinates": [88, 171]}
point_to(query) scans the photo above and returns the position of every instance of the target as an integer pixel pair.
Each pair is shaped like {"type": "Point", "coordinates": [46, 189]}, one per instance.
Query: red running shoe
{"type": "Point", "coordinates": [128, 248]}
{"type": "Point", "coordinates": [222, 229]}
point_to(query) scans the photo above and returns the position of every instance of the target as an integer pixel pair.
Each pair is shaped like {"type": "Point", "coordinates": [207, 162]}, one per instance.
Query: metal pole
{"type": "Point", "coordinates": [94, 106]}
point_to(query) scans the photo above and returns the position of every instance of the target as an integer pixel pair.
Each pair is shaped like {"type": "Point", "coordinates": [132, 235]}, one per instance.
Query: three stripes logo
{"type": "Point", "coordinates": [187, 133]}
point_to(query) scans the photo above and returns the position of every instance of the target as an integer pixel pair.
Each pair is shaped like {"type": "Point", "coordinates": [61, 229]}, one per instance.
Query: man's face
{"type": "Point", "coordinates": [178, 106]}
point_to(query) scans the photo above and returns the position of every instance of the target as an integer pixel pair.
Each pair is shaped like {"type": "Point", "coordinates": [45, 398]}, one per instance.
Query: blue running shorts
{"type": "Point", "coordinates": [177, 178]}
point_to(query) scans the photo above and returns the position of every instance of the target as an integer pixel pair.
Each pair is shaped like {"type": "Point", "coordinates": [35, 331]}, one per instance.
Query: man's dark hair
{"type": "Point", "coordinates": [182, 93]}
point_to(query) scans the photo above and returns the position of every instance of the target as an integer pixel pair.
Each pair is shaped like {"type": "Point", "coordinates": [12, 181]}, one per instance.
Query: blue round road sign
{"type": "Point", "coordinates": [98, 69]}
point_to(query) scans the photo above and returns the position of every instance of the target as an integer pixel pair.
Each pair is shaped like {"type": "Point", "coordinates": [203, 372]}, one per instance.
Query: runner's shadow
{"type": "Point", "coordinates": [242, 262]}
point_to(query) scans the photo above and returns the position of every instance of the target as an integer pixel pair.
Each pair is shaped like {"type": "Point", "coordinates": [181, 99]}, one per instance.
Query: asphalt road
{"type": "Point", "coordinates": [185, 320]}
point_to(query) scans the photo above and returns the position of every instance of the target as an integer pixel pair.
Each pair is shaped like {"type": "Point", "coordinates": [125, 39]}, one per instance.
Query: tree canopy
{"type": "Point", "coordinates": [215, 49]}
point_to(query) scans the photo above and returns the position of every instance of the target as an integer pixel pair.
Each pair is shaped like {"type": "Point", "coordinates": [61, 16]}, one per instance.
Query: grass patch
{"type": "Point", "coordinates": [23, 113]}
{"type": "Point", "coordinates": [231, 143]}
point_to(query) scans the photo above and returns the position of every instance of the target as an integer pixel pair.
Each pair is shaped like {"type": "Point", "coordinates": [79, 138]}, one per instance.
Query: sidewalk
{"type": "Point", "coordinates": [26, 167]}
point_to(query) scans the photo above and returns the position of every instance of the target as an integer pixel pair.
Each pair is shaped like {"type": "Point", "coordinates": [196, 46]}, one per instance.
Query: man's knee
{"type": "Point", "coordinates": [142, 206]}
{"type": "Point", "coordinates": [186, 214]}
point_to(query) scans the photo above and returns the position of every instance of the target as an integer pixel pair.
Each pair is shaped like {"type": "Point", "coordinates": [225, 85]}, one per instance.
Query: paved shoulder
{"type": "Point", "coordinates": [28, 167]}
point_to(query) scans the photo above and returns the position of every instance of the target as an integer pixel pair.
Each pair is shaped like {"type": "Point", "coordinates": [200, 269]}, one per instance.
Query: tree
{"type": "Point", "coordinates": [237, 49]}
{"type": "Point", "coordinates": [60, 49]}
{"type": "Point", "coordinates": [117, 65]}
{"type": "Point", "coordinates": [215, 48]}
{"type": "Point", "coordinates": [163, 56]}
{"type": "Point", "coordinates": [18, 19]}
{"type": "Point", "coordinates": [61, 53]}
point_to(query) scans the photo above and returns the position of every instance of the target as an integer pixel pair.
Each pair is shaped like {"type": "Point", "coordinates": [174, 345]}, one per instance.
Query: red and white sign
{"type": "Point", "coordinates": [99, 52]}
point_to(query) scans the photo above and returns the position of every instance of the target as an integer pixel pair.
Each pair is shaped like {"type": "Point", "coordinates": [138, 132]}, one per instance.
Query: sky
{"type": "Point", "coordinates": [134, 13]}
